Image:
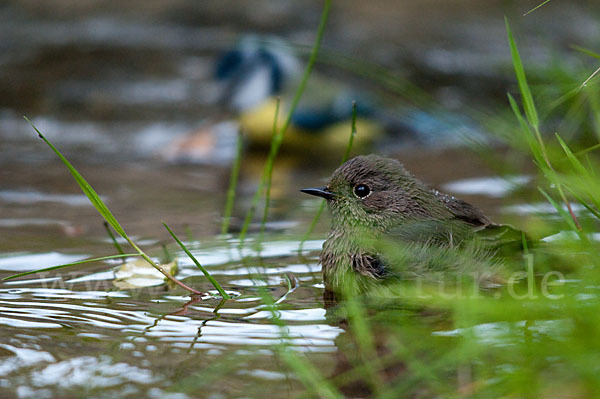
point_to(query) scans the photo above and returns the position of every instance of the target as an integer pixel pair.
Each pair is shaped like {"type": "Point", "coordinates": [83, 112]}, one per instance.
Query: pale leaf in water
{"type": "Point", "coordinates": [138, 274]}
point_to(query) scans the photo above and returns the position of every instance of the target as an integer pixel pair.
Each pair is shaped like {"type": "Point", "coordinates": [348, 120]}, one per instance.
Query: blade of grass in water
{"type": "Point", "coordinates": [233, 180]}
{"type": "Point", "coordinates": [79, 262]}
{"type": "Point", "coordinates": [315, 220]}
{"type": "Point", "coordinates": [202, 269]}
{"type": "Point", "coordinates": [106, 213]}
{"type": "Point", "coordinates": [278, 138]}
{"type": "Point", "coordinates": [112, 238]}
{"type": "Point", "coordinates": [269, 176]}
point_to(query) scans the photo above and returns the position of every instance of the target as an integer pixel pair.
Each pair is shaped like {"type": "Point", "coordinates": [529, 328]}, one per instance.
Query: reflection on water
{"type": "Point", "coordinates": [75, 332]}
{"type": "Point", "coordinates": [47, 321]}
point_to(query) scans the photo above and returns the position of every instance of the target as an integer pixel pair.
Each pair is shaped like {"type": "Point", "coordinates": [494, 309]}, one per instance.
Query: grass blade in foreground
{"type": "Point", "coordinates": [206, 273]}
{"type": "Point", "coordinates": [532, 118]}
{"type": "Point", "coordinates": [106, 213]}
{"type": "Point", "coordinates": [79, 262]}
{"type": "Point", "coordinates": [305, 370]}
{"type": "Point", "coordinates": [528, 103]}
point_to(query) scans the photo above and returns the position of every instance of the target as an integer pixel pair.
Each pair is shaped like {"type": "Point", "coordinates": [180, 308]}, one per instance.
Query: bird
{"type": "Point", "coordinates": [261, 73]}
{"type": "Point", "coordinates": [258, 74]}
{"type": "Point", "coordinates": [382, 216]}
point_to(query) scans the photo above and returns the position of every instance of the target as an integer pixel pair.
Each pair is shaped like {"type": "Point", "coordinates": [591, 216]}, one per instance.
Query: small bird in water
{"type": "Point", "coordinates": [375, 199]}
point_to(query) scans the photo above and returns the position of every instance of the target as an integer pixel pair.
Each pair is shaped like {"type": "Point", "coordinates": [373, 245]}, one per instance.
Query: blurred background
{"type": "Point", "coordinates": [146, 98]}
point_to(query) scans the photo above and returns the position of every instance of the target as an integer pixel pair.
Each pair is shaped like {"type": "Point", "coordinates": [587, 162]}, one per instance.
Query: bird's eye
{"type": "Point", "coordinates": [362, 190]}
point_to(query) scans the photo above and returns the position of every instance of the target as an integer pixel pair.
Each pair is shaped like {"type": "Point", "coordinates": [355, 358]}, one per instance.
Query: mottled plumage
{"type": "Point", "coordinates": [374, 199]}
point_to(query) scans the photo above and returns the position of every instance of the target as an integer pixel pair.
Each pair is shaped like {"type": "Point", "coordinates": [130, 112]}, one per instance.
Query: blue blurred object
{"type": "Point", "coordinates": [255, 69]}
{"type": "Point", "coordinates": [258, 69]}
{"type": "Point", "coordinates": [318, 117]}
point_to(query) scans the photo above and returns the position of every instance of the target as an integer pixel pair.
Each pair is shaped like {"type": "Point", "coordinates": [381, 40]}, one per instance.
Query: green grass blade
{"type": "Point", "coordinates": [528, 133]}
{"type": "Point", "coordinates": [582, 173]}
{"type": "Point", "coordinates": [310, 376]}
{"type": "Point", "coordinates": [528, 103]}
{"type": "Point", "coordinates": [315, 220]}
{"type": "Point", "coordinates": [565, 215]}
{"type": "Point", "coordinates": [587, 206]}
{"type": "Point", "coordinates": [312, 225]}
{"type": "Point", "coordinates": [352, 134]}
{"type": "Point", "coordinates": [524, 243]}
{"type": "Point", "coordinates": [589, 149]}
{"type": "Point", "coordinates": [278, 139]}
{"type": "Point", "coordinates": [105, 212]}
{"type": "Point", "coordinates": [85, 187]}
{"type": "Point", "coordinates": [269, 175]}
{"type": "Point", "coordinates": [586, 51]}
{"type": "Point", "coordinates": [79, 262]}
{"type": "Point", "coordinates": [166, 255]}
{"type": "Point", "coordinates": [536, 7]}
{"type": "Point", "coordinates": [304, 369]}
{"type": "Point", "coordinates": [202, 269]}
{"type": "Point", "coordinates": [592, 76]}
{"type": "Point", "coordinates": [113, 238]}
{"type": "Point", "coordinates": [532, 117]}
{"type": "Point", "coordinates": [359, 324]}
{"type": "Point", "coordinates": [233, 180]}
{"type": "Point", "coordinates": [577, 165]}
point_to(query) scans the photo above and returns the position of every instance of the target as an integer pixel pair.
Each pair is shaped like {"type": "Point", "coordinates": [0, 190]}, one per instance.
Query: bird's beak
{"type": "Point", "coordinates": [319, 192]}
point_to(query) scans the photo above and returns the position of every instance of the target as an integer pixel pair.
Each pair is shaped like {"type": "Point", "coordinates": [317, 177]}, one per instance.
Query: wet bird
{"type": "Point", "coordinates": [374, 202]}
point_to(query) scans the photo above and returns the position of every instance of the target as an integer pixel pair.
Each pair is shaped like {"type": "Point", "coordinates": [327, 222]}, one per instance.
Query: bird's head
{"type": "Point", "coordinates": [373, 192]}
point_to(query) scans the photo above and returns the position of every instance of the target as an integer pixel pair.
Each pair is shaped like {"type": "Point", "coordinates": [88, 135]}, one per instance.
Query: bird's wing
{"type": "Point", "coordinates": [448, 232]}
{"type": "Point", "coordinates": [463, 210]}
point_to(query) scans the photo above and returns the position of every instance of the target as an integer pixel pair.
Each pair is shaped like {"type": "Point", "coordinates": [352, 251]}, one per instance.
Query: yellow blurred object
{"type": "Point", "coordinates": [257, 125]}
